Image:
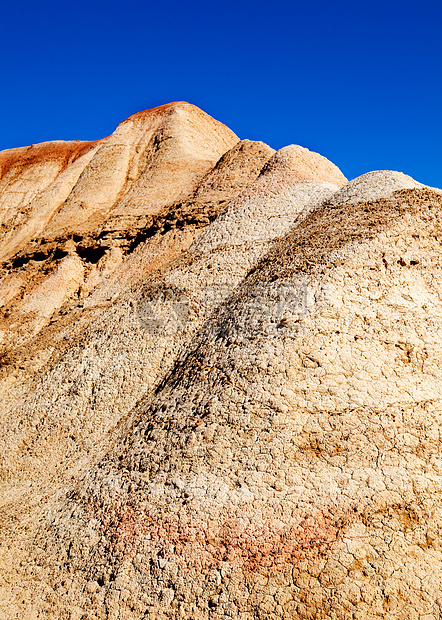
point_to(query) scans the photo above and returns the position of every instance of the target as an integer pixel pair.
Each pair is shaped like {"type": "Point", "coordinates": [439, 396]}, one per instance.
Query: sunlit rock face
{"type": "Point", "coordinates": [221, 381]}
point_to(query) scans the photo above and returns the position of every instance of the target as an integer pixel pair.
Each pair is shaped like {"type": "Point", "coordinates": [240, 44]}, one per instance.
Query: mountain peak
{"type": "Point", "coordinates": [220, 380]}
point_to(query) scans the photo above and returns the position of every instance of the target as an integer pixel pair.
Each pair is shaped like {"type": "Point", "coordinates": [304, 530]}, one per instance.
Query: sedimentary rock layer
{"type": "Point", "coordinates": [234, 411]}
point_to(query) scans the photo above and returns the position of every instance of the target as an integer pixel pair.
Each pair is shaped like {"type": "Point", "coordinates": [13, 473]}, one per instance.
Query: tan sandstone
{"type": "Point", "coordinates": [220, 389]}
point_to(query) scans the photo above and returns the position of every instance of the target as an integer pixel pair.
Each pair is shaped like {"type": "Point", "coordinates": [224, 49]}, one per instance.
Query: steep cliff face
{"type": "Point", "coordinates": [221, 388]}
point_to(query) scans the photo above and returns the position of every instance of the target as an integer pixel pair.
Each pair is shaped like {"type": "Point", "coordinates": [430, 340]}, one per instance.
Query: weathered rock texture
{"type": "Point", "coordinates": [221, 381]}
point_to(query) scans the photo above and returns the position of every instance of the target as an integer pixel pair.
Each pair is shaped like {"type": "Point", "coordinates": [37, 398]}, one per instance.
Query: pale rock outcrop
{"type": "Point", "coordinates": [374, 185]}
{"type": "Point", "coordinates": [129, 349]}
{"type": "Point", "coordinates": [34, 182]}
{"type": "Point", "coordinates": [305, 165]}
{"type": "Point", "coordinates": [83, 201]}
{"type": "Point", "coordinates": [286, 188]}
{"type": "Point", "coordinates": [151, 160]}
{"type": "Point", "coordinates": [289, 465]}
{"type": "Point", "coordinates": [233, 408]}
{"type": "Point", "coordinates": [177, 226]}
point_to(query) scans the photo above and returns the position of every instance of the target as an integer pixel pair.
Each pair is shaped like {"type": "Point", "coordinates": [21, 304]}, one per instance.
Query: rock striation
{"type": "Point", "coordinates": [220, 381]}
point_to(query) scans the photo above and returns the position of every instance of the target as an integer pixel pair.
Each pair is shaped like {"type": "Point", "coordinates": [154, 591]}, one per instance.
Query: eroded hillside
{"type": "Point", "coordinates": [221, 388]}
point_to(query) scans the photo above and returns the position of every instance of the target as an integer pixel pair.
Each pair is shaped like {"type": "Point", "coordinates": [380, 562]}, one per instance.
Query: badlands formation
{"type": "Point", "coordinates": [220, 381]}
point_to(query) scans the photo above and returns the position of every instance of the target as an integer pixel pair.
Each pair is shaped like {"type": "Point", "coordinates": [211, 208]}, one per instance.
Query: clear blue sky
{"type": "Point", "coordinates": [359, 82]}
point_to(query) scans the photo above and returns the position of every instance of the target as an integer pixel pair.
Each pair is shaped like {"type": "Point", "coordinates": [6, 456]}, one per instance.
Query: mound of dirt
{"type": "Point", "coordinates": [221, 388]}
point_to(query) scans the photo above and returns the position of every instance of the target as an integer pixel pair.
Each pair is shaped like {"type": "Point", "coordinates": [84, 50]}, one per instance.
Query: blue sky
{"type": "Point", "coordinates": [359, 82]}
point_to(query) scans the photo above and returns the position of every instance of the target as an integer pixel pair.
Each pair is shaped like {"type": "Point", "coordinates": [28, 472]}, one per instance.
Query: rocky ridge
{"type": "Point", "coordinates": [220, 381]}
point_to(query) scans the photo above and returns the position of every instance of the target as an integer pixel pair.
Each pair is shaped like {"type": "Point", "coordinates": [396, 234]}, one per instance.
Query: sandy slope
{"type": "Point", "coordinates": [221, 382]}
